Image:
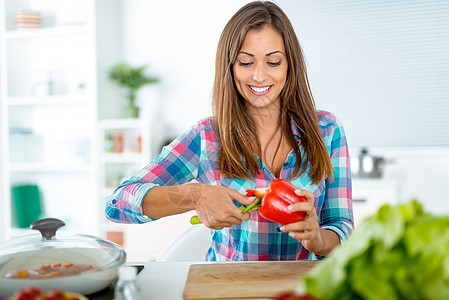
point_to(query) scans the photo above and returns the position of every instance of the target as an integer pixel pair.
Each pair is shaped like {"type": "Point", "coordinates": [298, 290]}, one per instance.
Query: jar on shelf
{"type": "Point", "coordinates": [138, 144]}
{"type": "Point", "coordinates": [118, 142]}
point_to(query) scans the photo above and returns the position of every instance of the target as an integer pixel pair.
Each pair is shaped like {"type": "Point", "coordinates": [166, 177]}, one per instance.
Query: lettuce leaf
{"type": "Point", "coordinates": [401, 252]}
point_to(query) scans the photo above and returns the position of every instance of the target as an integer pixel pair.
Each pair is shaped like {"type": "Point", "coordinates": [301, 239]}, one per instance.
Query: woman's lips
{"type": "Point", "coordinates": [259, 90]}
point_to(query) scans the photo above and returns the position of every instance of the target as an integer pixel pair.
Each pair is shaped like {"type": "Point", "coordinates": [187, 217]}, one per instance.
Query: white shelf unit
{"type": "Point", "coordinates": [50, 82]}
{"type": "Point", "coordinates": [46, 100]}
{"type": "Point", "coordinates": [49, 168]}
{"type": "Point", "coordinates": [142, 242]}
{"type": "Point", "coordinates": [115, 166]}
{"type": "Point", "coordinates": [57, 31]}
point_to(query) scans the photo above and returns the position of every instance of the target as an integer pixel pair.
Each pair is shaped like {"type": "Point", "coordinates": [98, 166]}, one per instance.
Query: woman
{"type": "Point", "coordinates": [265, 126]}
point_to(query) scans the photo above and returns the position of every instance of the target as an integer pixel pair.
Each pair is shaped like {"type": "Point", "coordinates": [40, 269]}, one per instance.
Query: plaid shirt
{"type": "Point", "coordinates": [193, 157]}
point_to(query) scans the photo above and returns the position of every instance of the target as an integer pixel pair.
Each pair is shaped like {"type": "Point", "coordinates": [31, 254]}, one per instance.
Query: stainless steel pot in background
{"type": "Point", "coordinates": [368, 166]}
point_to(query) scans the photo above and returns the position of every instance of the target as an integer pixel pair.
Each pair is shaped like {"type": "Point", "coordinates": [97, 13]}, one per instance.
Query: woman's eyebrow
{"type": "Point", "coordinates": [243, 52]}
{"type": "Point", "coordinates": [268, 54]}
{"type": "Point", "coordinates": [274, 52]}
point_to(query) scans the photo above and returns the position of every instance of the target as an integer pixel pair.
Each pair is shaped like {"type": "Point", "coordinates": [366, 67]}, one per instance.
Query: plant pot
{"type": "Point", "coordinates": [131, 111]}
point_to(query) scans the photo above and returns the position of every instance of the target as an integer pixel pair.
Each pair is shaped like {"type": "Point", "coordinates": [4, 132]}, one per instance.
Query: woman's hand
{"type": "Point", "coordinates": [308, 230]}
{"type": "Point", "coordinates": [215, 208]}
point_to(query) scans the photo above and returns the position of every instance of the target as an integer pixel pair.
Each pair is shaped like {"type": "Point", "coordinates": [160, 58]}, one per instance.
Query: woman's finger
{"type": "Point", "coordinates": [220, 225]}
{"type": "Point", "coordinates": [234, 220]}
{"type": "Point", "coordinates": [242, 199]}
{"type": "Point", "coordinates": [303, 236]}
{"type": "Point", "coordinates": [309, 195]}
{"type": "Point", "coordinates": [301, 206]}
{"type": "Point", "coordinates": [216, 227]}
{"type": "Point", "coordinates": [300, 226]}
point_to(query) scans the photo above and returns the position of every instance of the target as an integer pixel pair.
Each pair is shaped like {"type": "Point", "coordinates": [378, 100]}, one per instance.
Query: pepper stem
{"type": "Point", "coordinates": [252, 206]}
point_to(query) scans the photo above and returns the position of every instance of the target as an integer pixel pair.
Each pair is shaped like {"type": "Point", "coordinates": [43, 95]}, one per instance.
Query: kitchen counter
{"type": "Point", "coordinates": [157, 280]}
{"type": "Point", "coordinates": [167, 280]}
{"type": "Point", "coordinates": [215, 280]}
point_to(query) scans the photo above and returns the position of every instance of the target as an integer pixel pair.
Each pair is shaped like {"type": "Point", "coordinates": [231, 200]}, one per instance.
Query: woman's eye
{"type": "Point", "coordinates": [245, 64]}
{"type": "Point", "coordinates": [274, 64]}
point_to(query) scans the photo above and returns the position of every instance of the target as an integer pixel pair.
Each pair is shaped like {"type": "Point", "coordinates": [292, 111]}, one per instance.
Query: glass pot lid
{"type": "Point", "coordinates": [51, 247]}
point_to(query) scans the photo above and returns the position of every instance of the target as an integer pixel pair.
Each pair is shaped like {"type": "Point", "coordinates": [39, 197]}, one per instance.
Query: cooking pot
{"type": "Point", "coordinates": [368, 166]}
{"type": "Point", "coordinates": [35, 250]}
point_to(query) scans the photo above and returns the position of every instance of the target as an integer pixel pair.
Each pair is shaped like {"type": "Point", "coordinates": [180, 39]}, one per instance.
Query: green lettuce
{"type": "Point", "coordinates": [401, 252]}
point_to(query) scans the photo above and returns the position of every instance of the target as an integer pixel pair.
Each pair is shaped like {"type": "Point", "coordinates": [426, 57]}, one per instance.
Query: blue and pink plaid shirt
{"type": "Point", "coordinates": [193, 157]}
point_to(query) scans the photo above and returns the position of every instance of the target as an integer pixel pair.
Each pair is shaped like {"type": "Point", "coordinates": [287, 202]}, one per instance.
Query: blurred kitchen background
{"type": "Point", "coordinates": [67, 137]}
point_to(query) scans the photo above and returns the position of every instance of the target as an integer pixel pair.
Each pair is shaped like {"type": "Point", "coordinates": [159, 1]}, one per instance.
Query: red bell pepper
{"type": "Point", "coordinates": [276, 199]}
{"type": "Point", "coordinates": [272, 203]}
{"type": "Point", "coordinates": [259, 193]}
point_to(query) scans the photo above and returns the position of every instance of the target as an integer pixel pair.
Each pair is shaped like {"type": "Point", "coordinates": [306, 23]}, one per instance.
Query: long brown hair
{"type": "Point", "coordinates": [234, 125]}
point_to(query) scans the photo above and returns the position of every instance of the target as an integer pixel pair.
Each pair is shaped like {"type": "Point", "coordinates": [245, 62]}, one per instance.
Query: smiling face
{"type": "Point", "coordinates": [260, 70]}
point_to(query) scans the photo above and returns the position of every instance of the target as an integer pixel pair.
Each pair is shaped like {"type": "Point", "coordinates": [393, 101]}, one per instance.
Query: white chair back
{"type": "Point", "coordinates": [190, 245]}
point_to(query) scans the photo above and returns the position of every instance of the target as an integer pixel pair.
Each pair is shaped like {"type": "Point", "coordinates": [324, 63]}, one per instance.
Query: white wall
{"type": "Point", "coordinates": [178, 41]}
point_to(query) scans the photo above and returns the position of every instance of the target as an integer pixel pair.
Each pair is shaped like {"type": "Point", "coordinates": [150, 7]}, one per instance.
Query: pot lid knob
{"type": "Point", "coordinates": [47, 227]}
{"type": "Point", "coordinates": [363, 151]}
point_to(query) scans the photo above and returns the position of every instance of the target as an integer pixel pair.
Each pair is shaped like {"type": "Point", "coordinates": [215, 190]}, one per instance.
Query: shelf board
{"type": "Point", "coordinates": [49, 100]}
{"type": "Point", "coordinates": [47, 32]}
{"type": "Point", "coordinates": [122, 157]}
{"type": "Point", "coordinates": [121, 123]}
{"type": "Point", "coordinates": [41, 167]}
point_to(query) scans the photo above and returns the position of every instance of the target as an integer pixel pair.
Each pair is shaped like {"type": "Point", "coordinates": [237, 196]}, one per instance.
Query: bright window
{"type": "Point", "coordinates": [381, 66]}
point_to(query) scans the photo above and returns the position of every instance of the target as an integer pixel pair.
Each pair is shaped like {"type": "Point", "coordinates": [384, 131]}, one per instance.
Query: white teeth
{"type": "Point", "coordinates": [259, 90]}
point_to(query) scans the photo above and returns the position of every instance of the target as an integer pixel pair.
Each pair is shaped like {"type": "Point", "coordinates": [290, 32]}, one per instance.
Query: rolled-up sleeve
{"type": "Point", "coordinates": [176, 164]}
{"type": "Point", "coordinates": [336, 214]}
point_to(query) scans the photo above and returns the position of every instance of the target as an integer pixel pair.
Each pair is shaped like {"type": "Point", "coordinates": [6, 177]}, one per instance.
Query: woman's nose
{"type": "Point", "coordinates": [259, 74]}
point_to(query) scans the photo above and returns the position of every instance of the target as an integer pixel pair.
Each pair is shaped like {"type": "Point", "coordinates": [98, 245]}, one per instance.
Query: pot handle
{"type": "Point", "coordinates": [47, 227]}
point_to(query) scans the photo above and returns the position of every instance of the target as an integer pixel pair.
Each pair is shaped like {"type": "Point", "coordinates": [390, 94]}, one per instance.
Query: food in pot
{"type": "Point", "coordinates": [47, 271]}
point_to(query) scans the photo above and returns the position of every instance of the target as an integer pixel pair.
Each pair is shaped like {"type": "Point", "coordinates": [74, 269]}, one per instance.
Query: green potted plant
{"type": "Point", "coordinates": [132, 79]}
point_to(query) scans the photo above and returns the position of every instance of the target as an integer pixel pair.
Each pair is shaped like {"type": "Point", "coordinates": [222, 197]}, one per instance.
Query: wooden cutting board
{"type": "Point", "coordinates": [244, 280]}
